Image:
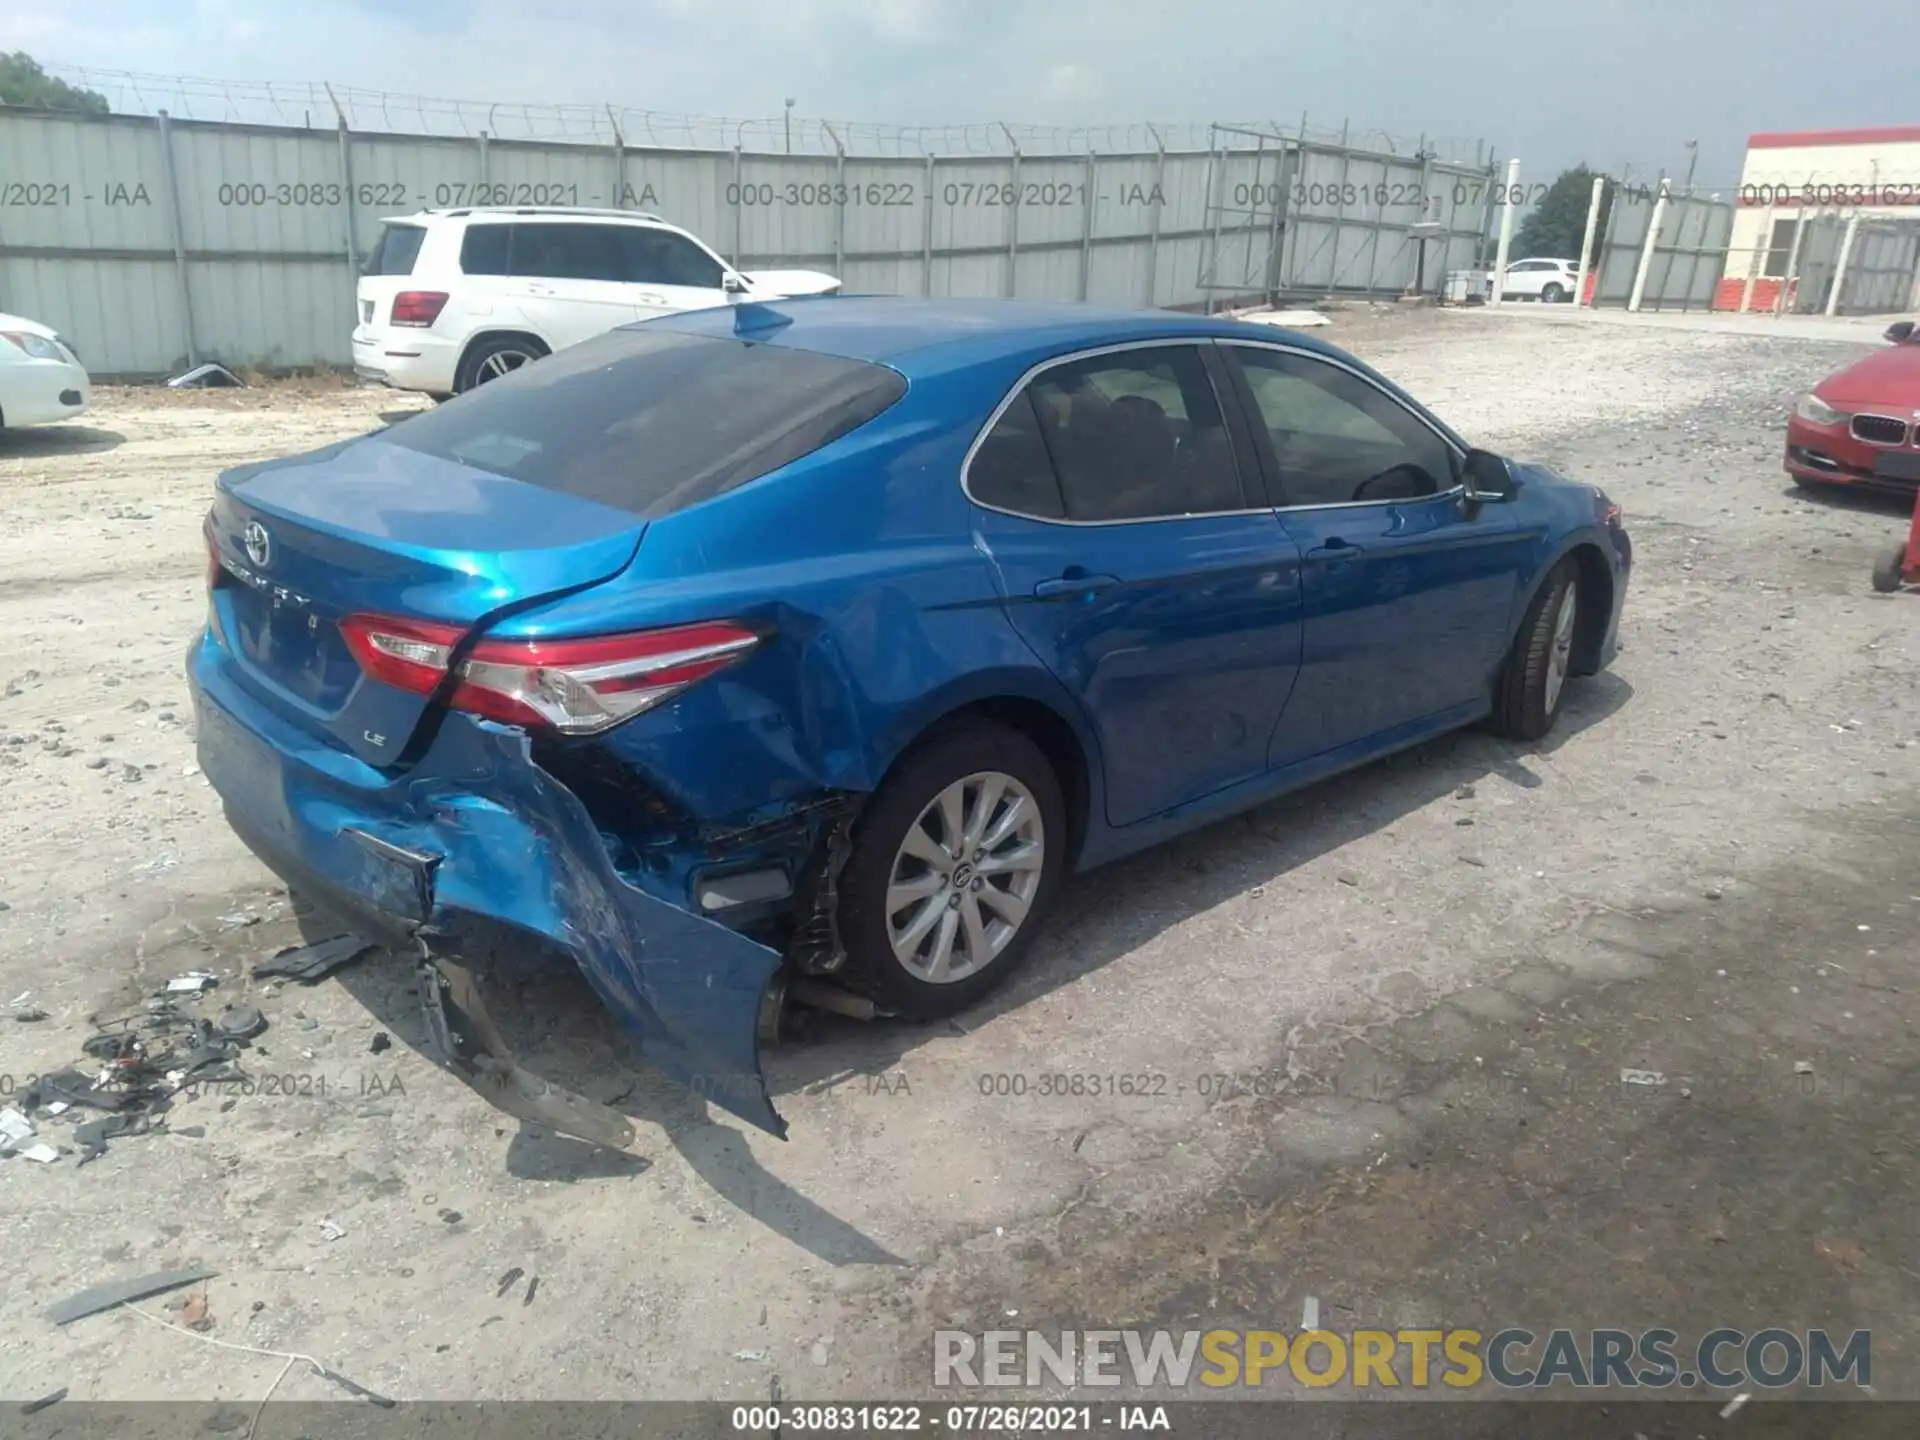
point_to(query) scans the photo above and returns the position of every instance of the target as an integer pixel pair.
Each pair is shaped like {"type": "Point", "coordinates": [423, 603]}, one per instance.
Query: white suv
{"type": "Point", "coordinates": [1548, 280]}
{"type": "Point", "coordinates": [451, 298]}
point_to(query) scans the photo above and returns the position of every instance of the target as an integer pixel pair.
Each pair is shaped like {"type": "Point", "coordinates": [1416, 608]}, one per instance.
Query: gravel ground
{"type": "Point", "coordinates": [1420, 981]}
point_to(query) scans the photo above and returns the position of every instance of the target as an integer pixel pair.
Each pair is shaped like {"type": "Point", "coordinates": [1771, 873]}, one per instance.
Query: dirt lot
{"type": "Point", "coordinates": [1420, 984]}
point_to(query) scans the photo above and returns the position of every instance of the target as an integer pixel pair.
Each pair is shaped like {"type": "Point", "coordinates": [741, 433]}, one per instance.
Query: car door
{"type": "Point", "coordinates": [1526, 277]}
{"type": "Point", "coordinates": [1138, 561]}
{"type": "Point", "coordinates": [1408, 589]}
{"type": "Point", "coordinates": [569, 279]}
{"type": "Point", "coordinates": [667, 272]}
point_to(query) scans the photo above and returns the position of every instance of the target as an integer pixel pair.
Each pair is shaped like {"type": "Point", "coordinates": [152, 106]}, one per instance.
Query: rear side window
{"type": "Point", "coordinates": [653, 421]}
{"type": "Point", "coordinates": [487, 250]}
{"type": "Point", "coordinates": [568, 252]}
{"type": "Point", "coordinates": [1011, 470]}
{"type": "Point", "coordinates": [395, 251]}
{"type": "Point", "coordinates": [1137, 435]}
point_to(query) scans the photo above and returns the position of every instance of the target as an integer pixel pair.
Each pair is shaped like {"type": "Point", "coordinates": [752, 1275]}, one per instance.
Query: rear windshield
{"type": "Point", "coordinates": [395, 251]}
{"type": "Point", "coordinates": [652, 420]}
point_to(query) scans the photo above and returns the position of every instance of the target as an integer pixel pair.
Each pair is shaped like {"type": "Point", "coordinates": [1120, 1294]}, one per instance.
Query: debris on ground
{"type": "Point", "coordinates": [452, 1217]}
{"type": "Point", "coordinates": [308, 963]}
{"type": "Point", "coordinates": [34, 1407]}
{"type": "Point", "coordinates": [106, 1296]}
{"type": "Point", "coordinates": [210, 376]}
{"type": "Point", "coordinates": [42, 1153]}
{"type": "Point", "coordinates": [1642, 1077]}
{"type": "Point", "coordinates": [195, 1314]}
{"type": "Point", "coordinates": [14, 1128]}
{"type": "Point", "coordinates": [532, 1285]}
{"type": "Point", "coordinates": [380, 1044]}
{"type": "Point", "coordinates": [508, 1281]}
{"type": "Point", "coordinates": [753, 1355]}
{"type": "Point", "coordinates": [1847, 1254]}
{"type": "Point", "coordinates": [331, 1229]}
{"type": "Point", "coordinates": [192, 983]}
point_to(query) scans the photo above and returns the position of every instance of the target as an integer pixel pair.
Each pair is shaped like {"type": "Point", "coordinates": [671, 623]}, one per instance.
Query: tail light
{"type": "Point", "coordinates": [578, 687]}
{"type": "Point", "coordinates": [418, 307]}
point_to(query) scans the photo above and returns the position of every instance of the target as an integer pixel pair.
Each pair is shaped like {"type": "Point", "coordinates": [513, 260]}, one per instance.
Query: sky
{"type": "Point", "coordinates": [1609, 84]}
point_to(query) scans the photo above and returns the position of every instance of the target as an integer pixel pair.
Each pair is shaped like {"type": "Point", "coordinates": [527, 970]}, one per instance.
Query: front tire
{"type": "Point", "coordinates": [954, 863]}
{"type": "Point", "coordinates": [1533, 683]}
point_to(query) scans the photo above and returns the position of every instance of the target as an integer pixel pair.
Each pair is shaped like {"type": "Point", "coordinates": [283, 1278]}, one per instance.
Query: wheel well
{"type": "Point", "coordinates": [1595, 580]}
{"type": "Point", "coordinates": [1057, 741]}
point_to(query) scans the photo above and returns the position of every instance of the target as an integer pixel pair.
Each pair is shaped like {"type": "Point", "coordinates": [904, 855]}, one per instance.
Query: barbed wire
{"type": "Point", "coordinates": [319, 104]}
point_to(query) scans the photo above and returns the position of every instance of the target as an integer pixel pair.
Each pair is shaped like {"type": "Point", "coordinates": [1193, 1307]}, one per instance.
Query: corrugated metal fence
{"type": "Point", "coordinates": [149, 241]}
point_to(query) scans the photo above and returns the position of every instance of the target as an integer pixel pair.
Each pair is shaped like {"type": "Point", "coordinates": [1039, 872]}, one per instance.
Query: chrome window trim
{"type": "Point", "coordinates": [1165, 342]}
{"type": "Point", "coordinates": [1453, 445]}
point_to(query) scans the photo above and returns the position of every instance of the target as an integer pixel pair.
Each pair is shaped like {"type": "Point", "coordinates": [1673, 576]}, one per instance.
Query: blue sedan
{"type": "Point", "coordinates": [800, 651]}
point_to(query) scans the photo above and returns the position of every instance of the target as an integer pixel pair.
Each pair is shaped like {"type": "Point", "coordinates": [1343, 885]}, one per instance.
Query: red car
{"type": "Point", "coordinates": [1861, 425]}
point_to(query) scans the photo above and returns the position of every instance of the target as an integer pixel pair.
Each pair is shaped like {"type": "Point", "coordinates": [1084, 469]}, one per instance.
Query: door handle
{"type": "Point", "coordinates": [649, 298]}
{"type": "Point", "coordinates": [534, 288]}
{"type": "Point", "coordinates": [1334, 548]}
{"type": "Point", "coordinates": [1074, 583]}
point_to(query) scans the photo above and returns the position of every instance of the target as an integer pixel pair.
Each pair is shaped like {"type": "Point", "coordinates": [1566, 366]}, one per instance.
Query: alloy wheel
{"type": "Point", "coordinates": [1560, 653]}
{"type": "Point", "coordinates": [964, 877]}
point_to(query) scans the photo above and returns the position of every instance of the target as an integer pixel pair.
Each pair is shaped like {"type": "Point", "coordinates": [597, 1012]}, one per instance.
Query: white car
{"type": "Point", "coordinates": [449, 299]}
{"type": "Point", "coordinates": [41, 379]}
{"type": "Point", "coordinates": [1540, 279]}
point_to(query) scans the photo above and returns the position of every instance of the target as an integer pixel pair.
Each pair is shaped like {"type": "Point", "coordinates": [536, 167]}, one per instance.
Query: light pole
{"type": "Point", "coordinates": [1693, 159]}
{"type": "Point", "coordinates": [789, 124]}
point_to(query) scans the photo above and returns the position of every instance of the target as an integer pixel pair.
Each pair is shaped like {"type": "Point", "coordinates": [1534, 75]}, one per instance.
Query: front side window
{"type": "Point", "coordinates": [659, 257]}
{"type": "Point", "coordinates": [1339, 440]}
{"type": "Point", "coordinates": [1133, 435]}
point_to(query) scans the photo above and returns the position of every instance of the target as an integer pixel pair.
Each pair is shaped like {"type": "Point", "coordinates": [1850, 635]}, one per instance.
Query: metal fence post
{"type": "Point", "coordinates": [179, 238]}
{"type": "Point", "coordinates": [1013, 217]}
{"type": "Point", "coordinates": [839, 201]}
{"type": "Point", "coordinates": [1648, 246]}
{"type": "Point", "coordinates": [1277, 232]}
{"type": "Point", "coordinates": [926, 237]}
{"type": "Point", "coordinates": [1506, 232]}
{"type": "Point", "coordinates": [1840, 262]}
{"type": "Point", "coordinates": [1086, 224]}
{"type": "Point", "coordinates": [1586, 243]}
{"type": "Point", "coordinates": [1217, 198]}
{"type": "Point", "coordinates": [619, 162]}
{"type": "Point", "coordinates": [486, 166]}
{"type": "Point", "coordinates": [346, 184]}
{"type": "Point", "coordinates": [733, 255]}
{"type": "Point", "coordinates": [1159, 201]}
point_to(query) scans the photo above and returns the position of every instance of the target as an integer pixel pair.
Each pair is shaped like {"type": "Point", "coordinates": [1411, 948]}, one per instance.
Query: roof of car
{"type": "Point", "coordinates": [527, 212]}
{"type": "Point", "coordinates": [927, 336]}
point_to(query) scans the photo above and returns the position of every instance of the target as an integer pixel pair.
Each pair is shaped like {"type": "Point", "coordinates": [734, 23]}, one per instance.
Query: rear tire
{"type": "Point", "coordinates": [1532, 688]}
{"type": "Point", "coordinates": [1887, 575]}
{"type": "Point", "coordinates": [496, 355]}
{"type": "Point", "coordinates": [928, 932]}
{"type": "Point", "coordinates": [1553, 294]}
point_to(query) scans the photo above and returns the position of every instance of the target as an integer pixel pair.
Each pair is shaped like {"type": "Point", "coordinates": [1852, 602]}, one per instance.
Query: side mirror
{"type": "Point", "coordinates": [1486, 476]}
{"type": "Point", "coordinates": [1900, 331]}
{"type": "Point", "coordinates": [733, 284]}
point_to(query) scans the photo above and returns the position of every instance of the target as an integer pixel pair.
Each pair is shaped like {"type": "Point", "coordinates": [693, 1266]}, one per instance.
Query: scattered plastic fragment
{"type": "Point", "coordinates": [331, 1230]}
{"type": "Point", "coordinates": [1642, 1077]}
{"type": "Point", "coordinates": [308, 963]}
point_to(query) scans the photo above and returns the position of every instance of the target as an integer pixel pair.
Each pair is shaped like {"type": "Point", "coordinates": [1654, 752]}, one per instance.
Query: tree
{"type": "Point", "coordinates": [23, 82]}
{"type": "Point", "coordinates": [1556, 226]}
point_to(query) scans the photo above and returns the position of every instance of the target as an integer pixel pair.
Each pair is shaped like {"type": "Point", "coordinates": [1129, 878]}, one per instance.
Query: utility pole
{"type": "Point", "coordinates": [789, 124]}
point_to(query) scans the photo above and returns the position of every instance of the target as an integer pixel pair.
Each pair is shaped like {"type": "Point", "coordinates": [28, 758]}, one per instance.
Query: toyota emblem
{"type": "Point", "coordinates": [259, 544]}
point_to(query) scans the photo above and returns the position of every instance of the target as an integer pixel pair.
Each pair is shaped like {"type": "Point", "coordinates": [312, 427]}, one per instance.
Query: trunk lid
{"type": "Point", "coordinates": [371, 526]}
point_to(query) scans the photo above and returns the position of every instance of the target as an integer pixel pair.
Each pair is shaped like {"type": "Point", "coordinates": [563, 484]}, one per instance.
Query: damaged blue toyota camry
{"type": "Point", "coordinates": [806, 647]}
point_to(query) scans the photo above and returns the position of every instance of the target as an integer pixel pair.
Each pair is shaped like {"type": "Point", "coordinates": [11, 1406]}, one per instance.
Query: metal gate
{"type": "Point", "coordinates": [1309, 218]}
{"type": "Point", "coordinates": [1682, 269]}
{"type": "Point", "coordinates": [1877, 267]}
